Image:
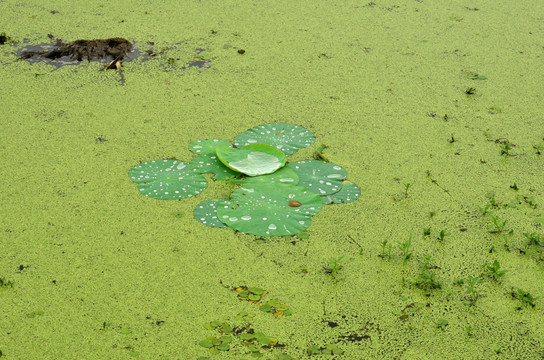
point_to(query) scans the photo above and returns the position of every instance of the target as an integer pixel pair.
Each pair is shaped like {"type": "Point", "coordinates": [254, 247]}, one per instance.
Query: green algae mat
{"type": "Point", "coordinates": [275, 180]}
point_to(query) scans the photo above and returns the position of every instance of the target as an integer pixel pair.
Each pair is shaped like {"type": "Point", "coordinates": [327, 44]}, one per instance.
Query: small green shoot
{"type": "Point", "coordinates": [441, 324]}
{"type": "Point", "coordinates": [474, 76]}
{"type": "Point", "coordinates": [318, 154]}
{"type": "Point", "coordinates": [389, 246]}
{"type": "Point", "coordinates": [427, 231]}
{"type": "Point", "coordinates": [471, 283]}
{"type": "Point", "coordinates": [334, 266]}
{"type": "Point", "coordinates": [426, 280]}
{"type": "Point", "coordinates": [405, 249]}
{"type": "Point", "coordinates": [534, 239]}
{"type": "Point", "coordinates": [442, 235]}
{"type": "Point", "coordinates": [485, 210]}
{"type": "Point", "coordinates": [498, 225]}
{"type": "Point", "coordinates": [524, 296]}
{"type": "Point", "coordinates": [409, 310]}
{"type": "Point", "coordinates": [539, 148]}
{"type": "Point", "coordinates": [506, 147]}
{"type": "Point", "coordinates": [406, 187]}
{"type": "Point", "coordinates": [493, 271]}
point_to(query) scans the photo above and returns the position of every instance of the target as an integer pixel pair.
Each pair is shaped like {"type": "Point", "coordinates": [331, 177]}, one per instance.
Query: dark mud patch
{"type": "Point", "coordinates": [111, 52]}
{"type": "Point", "coordinates": [60, 53]}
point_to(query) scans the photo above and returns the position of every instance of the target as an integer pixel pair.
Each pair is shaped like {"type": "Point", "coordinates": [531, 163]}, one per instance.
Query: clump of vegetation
{"type": "Point", "coordinates": [330, 349]}
{"type": "Point", "coordinates": [334, 266]}
{"type": "Point", "coordinates": [426, 279]}
{"type": "Point", "coordinates": [389, 246]}
{"type": "Point", "coordinates": [243, 333]}
{"type": "Point", "coordinates": [442, 324]}
{"type": "Point", "coordinates": [6, 283]}
{"type": "Point", "coordinates": [524, 296]}
{"type": "Point", "coordinates": [471, 289]}
{"type": "Point", "coordinates": [216, 345]}
{"type": "Point", "coordinates": [442, 235]}
{"type": "Point", "coordinates": [498, 225]}
{"type": "Point", "coordinates": [405, 249]}
{"type": "Point", "coordinates": [534, 239]}
{"type": "Point", "coordinates": [255, 295]}
{"type": "Point", "coordinates": [252, 294]}
{"type": "Point", "coordinates": [494, 271]}
{"type": "Point", "coordinates": [271, 197]}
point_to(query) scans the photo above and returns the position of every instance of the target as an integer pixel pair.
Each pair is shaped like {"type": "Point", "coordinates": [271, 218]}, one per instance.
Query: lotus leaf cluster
{"type": "Point", "coordinates": [272, 197]}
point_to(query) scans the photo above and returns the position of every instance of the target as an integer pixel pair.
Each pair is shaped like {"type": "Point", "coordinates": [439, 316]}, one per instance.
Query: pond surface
{"type": "Point", "coordinates": [434, 114]}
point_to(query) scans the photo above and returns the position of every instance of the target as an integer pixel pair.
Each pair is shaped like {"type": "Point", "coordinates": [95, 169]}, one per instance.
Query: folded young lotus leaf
{"type": "Point", "coordinates": [207, 164]}
{"type": "Point", "coordinates": [207, 147]}
{"type": "Point", "coordinates": [252, 160]}
{"type": "Point", "coordinates": [206, 213]}
{"type": "Point", "coordinates": [323, 178]}
{"type": "Point", "coordinates": [167, 179]}
{"type": "Point", "coordinates": [283, 176]}
{"type": "Point", "coordinates": [286, 137]}
{"type": "Point", "coordinates": [269, 209]}
{"type": "Point", "coordinates": [349, 193]}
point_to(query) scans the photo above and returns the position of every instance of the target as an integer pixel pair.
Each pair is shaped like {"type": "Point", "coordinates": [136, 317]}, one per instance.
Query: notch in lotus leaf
{"type": "Point", "coordinates": [207, 162]}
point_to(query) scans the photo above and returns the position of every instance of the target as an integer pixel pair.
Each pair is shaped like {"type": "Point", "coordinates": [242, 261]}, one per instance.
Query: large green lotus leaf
{"type": "Point", "coordinates": [207, 147]}
{"type": "Point", "coordinates": [283, 176]}
{"type": "Point", "coordinates": [252, 160]}
{"type": "Point", "coordinates": [286, 137]}
{"type": "Point", "coordinates": [323, 178]}
{"type": "Point", "coordinates": [269, 209]}
{"type": "Point", "coordinates": [206, 213]}
{"type": "Point", "coordinates": [167, 179]}
{"type": "Point", "coordinates": [207, 164]}
{"type": "Point", "coordinates": [349, 193]}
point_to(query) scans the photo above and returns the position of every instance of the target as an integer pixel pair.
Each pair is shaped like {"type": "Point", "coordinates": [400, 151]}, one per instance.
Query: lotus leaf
{"type": "Point", "coordinates": [349, 193]}
{"type": "Point", "coordinates": [266, 210]}
{"type": "Point", "coordinates": [286, 137]}
{"type": "Point", "coordinates": [206, 213]}
{"type": "Point", "coordinates": [323, 178]}
{"type": "Point", "coordinates": [283, 176]}
{"type": "Point", "coordinates": [207, 147]}
{"type": "Point", "coordinates": [207, 164]}
{"type": "Point", "coordinates": [167, 179]}
{"type": "Point", "coordinates": [252, 160]}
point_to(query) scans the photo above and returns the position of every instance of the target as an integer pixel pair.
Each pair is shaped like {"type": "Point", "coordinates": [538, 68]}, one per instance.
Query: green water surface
{"type": "Point", "coordinates": [93, 270]}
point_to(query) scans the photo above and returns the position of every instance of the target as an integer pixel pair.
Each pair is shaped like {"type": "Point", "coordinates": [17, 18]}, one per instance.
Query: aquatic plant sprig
{"type": "Point", "coordinates": [267, 195]}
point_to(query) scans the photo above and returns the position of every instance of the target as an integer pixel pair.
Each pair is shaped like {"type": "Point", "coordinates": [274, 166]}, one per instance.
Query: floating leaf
{"type": "Point", "coordinates": [207, 147]}
{"type": "Point", "coordinates": [167, 179]}
{"type": "Point", "coordinates": [206, 213]}
{"type": "Point", "coordinates": [207, 164]}
{"type": "Point", "coordinates": [323, 178]}
{"type": "Point", "coordinates": [286, 137]}
{"type": "Point", "coordinates": [265, 210]}
{"type": "Point", "coordinates": [349, 193]}
{"type": "Point", "coordinates": [283, 176]}
{"type": "Point", "coordinates": [252, 160]}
